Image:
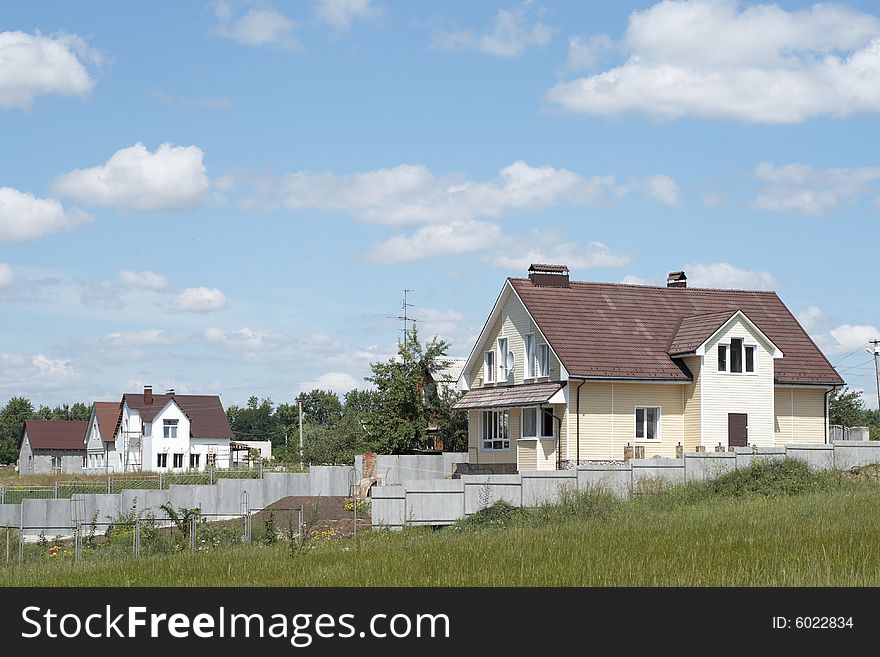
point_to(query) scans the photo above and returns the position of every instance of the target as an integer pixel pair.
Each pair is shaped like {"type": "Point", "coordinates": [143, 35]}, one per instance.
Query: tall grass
{"type": "Point", "coordinates": [774, 525]}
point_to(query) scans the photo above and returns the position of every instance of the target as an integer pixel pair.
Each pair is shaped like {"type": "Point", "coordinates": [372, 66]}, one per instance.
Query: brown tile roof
{"type": "Point", "coordinates": [207, 419]}
{"type": "Point", "coordinates": [56, 434]}
{"type": "Point", "coordinates": [612, 330]}
{"type": "Point", "coordinates": [695, 330]}
{"type": "Point", "coordinates": [522, 395]}
{"type": "Point", "coordinates": [108, 414]}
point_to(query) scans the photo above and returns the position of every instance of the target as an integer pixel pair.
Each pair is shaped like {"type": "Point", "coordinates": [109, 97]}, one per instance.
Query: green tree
{"type": "Point", "coordinates": [846, 407]}
{"type": "Point", "coordinates": [334, 445]}
{"type": "Point", "coordinates": [399, 421]}
{"type": "Point", "coordinates": [320, 407]}
{"type": "Point", "coordinates": [452, 424]}
{"type": "Point", "coordinates": [256, 421]}
{"type": "Point", "coordinates": [12, 419]}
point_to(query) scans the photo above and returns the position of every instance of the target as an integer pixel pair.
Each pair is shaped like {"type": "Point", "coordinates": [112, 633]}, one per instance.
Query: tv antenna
{"type": "Point", "coordinates": [405, 318]}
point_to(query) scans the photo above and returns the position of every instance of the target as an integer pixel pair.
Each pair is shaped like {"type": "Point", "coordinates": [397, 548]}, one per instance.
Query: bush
{"type": "Point", "coordinates": [770, 479]}
{"type": "Point", "coordinates": [499, 515]}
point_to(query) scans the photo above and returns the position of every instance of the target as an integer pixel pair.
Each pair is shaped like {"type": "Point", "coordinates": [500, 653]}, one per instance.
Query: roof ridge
{"type": "Point", "coordinates": [654, 287]}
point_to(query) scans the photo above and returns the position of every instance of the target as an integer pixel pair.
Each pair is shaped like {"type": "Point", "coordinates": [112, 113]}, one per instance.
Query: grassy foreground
{"type": "Point", "coordinates": [770, 525]}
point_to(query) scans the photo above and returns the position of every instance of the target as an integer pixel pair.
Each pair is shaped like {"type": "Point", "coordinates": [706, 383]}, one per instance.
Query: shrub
{"type": "Point", "coordinates": [770, 479]}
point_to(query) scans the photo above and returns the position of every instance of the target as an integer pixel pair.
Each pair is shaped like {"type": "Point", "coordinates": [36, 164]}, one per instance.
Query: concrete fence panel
{"type": "Point", "coordinates": [745, 456]}
{"type": "Point", "coordinates": [388, 507]}
{"type": "Point", "coordinates": [34, 516]}
{"type": "Point", "coordinates": [544, 486]}
{"type": "Point", "coordinates": [855, 453]}
{"type": "Point", "coordinates": [702, 466]}
{"type": "Point", "coordinates": [647, 472]}
{"type": "Point", "coordinates": [434, 502]}
{"type": "Point", "coordinates": [481, 491]}
{"type": "Point", "coordinates": [231, 498]}
{"type": "Point", "coordinates": [818, 457]}
{"type": "Point", "coordinates": [100, 506]}
{"type": "Point", "coordinates": [614, 478]}
{"type": "Point", "coordinates": [331, 480]}
{"type": "Point", "coordinates": [10, 515]}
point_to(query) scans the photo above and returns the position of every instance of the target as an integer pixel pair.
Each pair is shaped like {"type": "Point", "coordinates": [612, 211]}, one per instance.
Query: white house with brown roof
{"type": "Point", "coordinates": [101, 436]}
{"type": "Point", "coordinates": [170, 432]}
{"type": "Point", "coordinates": [566, 371]}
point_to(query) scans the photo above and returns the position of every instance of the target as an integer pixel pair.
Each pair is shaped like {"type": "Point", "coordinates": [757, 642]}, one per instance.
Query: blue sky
{"type": "Point", "coordinates": [229, 197]}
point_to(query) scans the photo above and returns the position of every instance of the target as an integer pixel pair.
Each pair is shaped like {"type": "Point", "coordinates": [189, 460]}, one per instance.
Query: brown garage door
{"type": "Point", "coordinates": [737, 429]}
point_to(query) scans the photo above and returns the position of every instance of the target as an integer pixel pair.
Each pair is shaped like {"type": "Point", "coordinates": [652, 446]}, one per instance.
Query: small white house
{"type": "Point", "coordinates": [101, 438]}
{"type": "Point", "coordinates": [170, 432]}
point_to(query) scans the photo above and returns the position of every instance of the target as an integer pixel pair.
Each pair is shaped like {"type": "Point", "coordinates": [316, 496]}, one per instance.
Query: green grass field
{"type": "Point", "coordinates": [767, 526]}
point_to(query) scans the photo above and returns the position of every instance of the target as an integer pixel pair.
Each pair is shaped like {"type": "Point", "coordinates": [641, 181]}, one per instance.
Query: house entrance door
{"type": "Point", "coordinates": [737, 429]}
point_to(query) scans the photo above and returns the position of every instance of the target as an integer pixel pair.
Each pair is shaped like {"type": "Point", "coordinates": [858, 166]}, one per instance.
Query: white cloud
{"type": "Point", "coordinates": [801, 189]}
{"type": "Point", "coordinates": [511, 33]}
{"type": "Point", "coordinates": [715, 199]}
{"type": "Point", "coordinates": [22, 372]}
{"type": "Point", "coordinates": [584, 53]}
{"type": "Point", "coordinates": [661, 188]}
{"type": "Point", "coordinates": [258, 27]}
{"type": "Point", "coordinates": [172, 178]}
{"type": "Point", "coordinates": [812, 319]}
{"type": "Point", "coordinates": [199, 300]}
{"type": "Point", "coordinates": [146, 279]}
{"type": "Point", "coordinates": [725, 275]}
{"type": "Point", "coordinates": [411, 194]}
{"type": "Point", "coordinates": [632, 279]}
{"type": "Point", "coordinates": [7, 276]}
{"type": "Point", "coordinates": [25, 217]}
{"type": "Point", "coordinates": [518, 252]}
{"type": "Point", "coordinates": [141, 338]}
{"type": "Point", "coordinates": [341, 13]}
{"type": "Point", "coordinates": [34, 65]}
{"type": "Point", "coordinates": [318, 343]}
{"type": "Point", "coordinates": [245, 339]}
{"type": "Point", "coordinates": [338, 382]}
{"type": "Point", "coordinates": [436, 242]}
{"type": "Point", "coordinates": [101, 295]}
{"type": "Point", "coordinates": [714, 59]}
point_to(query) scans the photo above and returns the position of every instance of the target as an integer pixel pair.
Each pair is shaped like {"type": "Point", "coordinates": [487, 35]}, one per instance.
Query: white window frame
{"type": "Point", "coordinates": [543, 360]}
{"type": "Point", "coordinates": [489, 369]}
{"type": "Point", "coordinates": [195, 460]}
{"type": "Point", "coordinates": [500, 419]}
{"type": "Point", "coordinates": [729, 359]}
{"type": "Point", "coordinates": [503, 372]}
{"type": "Point", "coordinates": [172, 425]}
{"type": "Point", "coordinates": [162, 460]}
{"type": "Point", "coordinates": [531, 365]}
{"type": "Point", "coordinates": [177, 456]}
{"type": "Point", "coordinates": [539, 412]}
{"type": "Point", "coordinates": [726, 348]}
{"type": "Point", "coordinates": [657, 434]}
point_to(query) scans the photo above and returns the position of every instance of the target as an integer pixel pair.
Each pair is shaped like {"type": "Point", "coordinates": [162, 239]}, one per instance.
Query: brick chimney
{"type": "Point", "coordinates": [170, 392]}
{"type": "Point", "coordinates": [676, 279]}
{"type": "Point", "coordinates": [548, 275]}
{"type": "Point", "coordinates": [148, 395]}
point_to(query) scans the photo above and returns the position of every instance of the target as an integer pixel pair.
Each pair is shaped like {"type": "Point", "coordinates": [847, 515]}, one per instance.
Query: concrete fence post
{"type": "Point", "coordinates": [20, 546]}
{"type": "Point", "coordinates": [56, 490]}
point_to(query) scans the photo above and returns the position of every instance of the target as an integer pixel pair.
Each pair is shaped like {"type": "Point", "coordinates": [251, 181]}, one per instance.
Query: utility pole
{"type": "Point", "coordinates": [300, 434]}
{"type": "Point", "coordinates": [876, 345]}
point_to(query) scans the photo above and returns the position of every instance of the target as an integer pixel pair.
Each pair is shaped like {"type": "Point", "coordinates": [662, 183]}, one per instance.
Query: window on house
{"type": "Point", "coordinates": [648, 423]}
{"type": "Point", "coordinates": [56, 464]}
{"type": "Point", "coordinates": [169, 428]}
{"type": "Point", "coordinates": [547, 422]}
{"type": "Point", "coordinates": [530, 356]}
{"type": "Point", "coordinates": [489, 360]}
{"type": "Point", "coordinates": [736, 359]}
{"type": "Point", "coordinates": [85, 463]}
{"type": "Point", "coordinates": [529, 422]}
{"type": "Point", "coordinates": [178, 461]}
{"type": "Point", "coordinates": [544, 360]}
{"type": "Point", "coordinates": [194, 461]}
{"type": "Point", "coordinates": [722, 358]}
{"type": "Point", "coordinates": [750, 358]}
{"type": "Point", "coordinates": [495, 430]}
{"type": "Point", "coordinates": [161, 460]}
{"type": "Point", "coordinates": [502, 358]}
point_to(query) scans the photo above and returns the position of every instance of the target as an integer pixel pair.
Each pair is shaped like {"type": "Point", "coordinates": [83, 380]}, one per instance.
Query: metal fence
{"type": "Point", "coordinates": [126, 538]}
{"type": "Point", "coordinates": [116, 483]}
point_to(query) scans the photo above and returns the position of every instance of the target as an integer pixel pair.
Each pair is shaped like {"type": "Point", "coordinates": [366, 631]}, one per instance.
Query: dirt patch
{"type": "Point", "coordinates": [871, 471]}
{"type": "Point", "coordinates": [327, 514]}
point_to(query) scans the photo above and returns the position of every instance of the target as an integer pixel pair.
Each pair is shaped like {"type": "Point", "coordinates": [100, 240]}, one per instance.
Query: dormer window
{"type": "Point", "coordinates": [502, 359]}
{"type": "Point", "coordinates": [736, 357]}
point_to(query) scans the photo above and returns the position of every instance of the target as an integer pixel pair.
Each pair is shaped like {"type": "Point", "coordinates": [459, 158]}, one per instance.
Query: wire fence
{"type": "Point", "coordinates": [130, 537]}
{"type": "Point", "coordinates": [116, 483]}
